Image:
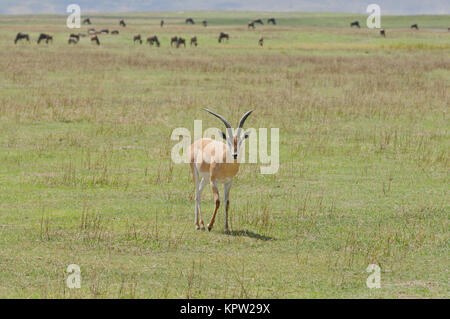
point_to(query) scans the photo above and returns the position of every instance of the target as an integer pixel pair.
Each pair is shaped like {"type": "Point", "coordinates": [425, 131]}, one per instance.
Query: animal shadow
{"type": "Point", "coordinates": [247, 233]}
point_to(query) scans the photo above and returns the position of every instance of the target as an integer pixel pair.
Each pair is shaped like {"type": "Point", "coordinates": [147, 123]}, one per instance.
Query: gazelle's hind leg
{"type": "Point", "coordinates": [198, 188]}
{"type": "Point", "coordinates": [195, 177]}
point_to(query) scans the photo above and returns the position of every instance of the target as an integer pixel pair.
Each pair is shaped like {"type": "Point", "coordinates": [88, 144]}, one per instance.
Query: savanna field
{"type": "Point", "coordinates": [86, 175]}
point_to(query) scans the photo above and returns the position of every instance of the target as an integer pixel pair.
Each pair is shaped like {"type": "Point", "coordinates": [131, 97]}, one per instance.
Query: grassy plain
{"type": "Point", "coordinates": [86, 176]}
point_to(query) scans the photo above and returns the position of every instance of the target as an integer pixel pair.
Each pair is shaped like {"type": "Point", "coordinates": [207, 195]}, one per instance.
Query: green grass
{"type": "Point", "coordinates": [86, 175]}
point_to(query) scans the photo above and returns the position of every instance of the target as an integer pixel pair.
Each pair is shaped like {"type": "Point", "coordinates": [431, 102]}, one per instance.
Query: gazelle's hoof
{"type": "Point", "coordinates": [209, 228]}
{"type": "Point", "coordinates": [203, 228]}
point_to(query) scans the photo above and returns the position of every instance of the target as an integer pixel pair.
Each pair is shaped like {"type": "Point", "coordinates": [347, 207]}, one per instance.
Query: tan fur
{"type": "Point", "coordinates": [215, 161]}
{"type": "Point", "coordinates": [202, 153]}
{"type": "Point", "coordinates": [217, 170]}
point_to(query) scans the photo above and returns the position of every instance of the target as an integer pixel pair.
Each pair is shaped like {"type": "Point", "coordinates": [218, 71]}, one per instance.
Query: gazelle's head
{"type": "Point", "coordinates": [234, 142]}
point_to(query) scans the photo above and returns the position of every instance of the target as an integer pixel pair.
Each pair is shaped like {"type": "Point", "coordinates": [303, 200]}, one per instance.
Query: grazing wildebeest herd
{"type": "Point", "coordinates": [176, 40]}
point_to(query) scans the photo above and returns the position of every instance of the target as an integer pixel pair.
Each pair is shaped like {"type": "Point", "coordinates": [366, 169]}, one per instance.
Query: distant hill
{"type": "Point", "coordinates": [406, 7]}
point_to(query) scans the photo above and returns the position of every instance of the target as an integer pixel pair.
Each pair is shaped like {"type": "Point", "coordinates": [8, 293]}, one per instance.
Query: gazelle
{"type": "Point", "coordinates": [216, 162]}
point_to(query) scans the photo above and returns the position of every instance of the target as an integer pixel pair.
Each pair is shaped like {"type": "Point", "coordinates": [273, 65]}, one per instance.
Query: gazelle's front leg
{"type": "Point", "coordinates": [217, 200]}
{"type": "Point", "coordinates": [227, 204]}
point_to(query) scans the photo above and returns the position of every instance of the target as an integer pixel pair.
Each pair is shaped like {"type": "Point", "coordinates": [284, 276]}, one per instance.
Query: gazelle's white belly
{"type": "Point", "coordinates": [207, 178]}
{"type": "Point", "coordinates": [205, 175]}
{"type": "Point", "coordinates": [224, 180]}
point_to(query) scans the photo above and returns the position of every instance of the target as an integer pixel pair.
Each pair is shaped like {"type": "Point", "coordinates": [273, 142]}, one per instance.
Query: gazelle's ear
{"type": "Point", "coordinates": [247, 134]}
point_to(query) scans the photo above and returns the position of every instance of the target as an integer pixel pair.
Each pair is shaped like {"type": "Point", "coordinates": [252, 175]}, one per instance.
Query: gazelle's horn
{"type": "Point", "coordinates": [227, 124]}
{"type": "Point", "coordinates": [242, 121]}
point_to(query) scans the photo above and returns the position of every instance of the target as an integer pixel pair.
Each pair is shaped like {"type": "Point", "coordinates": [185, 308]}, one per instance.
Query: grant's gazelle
{"type": "Point", "coordinates": [216, 162]}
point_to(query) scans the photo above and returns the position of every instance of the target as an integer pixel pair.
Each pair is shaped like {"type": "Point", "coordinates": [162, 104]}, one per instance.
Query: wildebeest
{"type": "Point", "coordinates": [205, 23]}
{"type": "Point", "coordinates": [383, 32]}
{"type": "Point", "coordinates": [161, 23]}
{"type": "Point", "coordinates": [73, 40]}
{"type": "Point", "coordinates": [21, 36]}
{"type": "Point", "coordinates": [355, 24]}
{"type": "Point", "coordinates": [181, 41]}
{"type": "Point", "coordinates": [271, 20]}
{"type": "Point", "coordinates": [153, 39]}
{"type": "Point", "coordinates": [173, 40]}
{"type": "Point", "coordinates": [94, 38]}
{"type": "Point", "coordinates": [258, 21]}
{"type": "Point", "coordinates": [223, 36]}
{"type": "Point", "coordinates": [415, 26]}
{"type": "Point", "coordinates": [122, 23]}
{"type": "Point", "coordinates": [137, 38]}
{"type": "Point", "coordinates": [46, 37]}
{"type": "Point", "coordinates": [115, 32]}
{"type": "Point", "coordinates": [189, 21]}
{"type": "Point", "coordinates": [105, 31]}
{"type": "Point", "coordinates": [261, 41]}
{"type": "Point", "coordinates": [87, 21]}
{"type": "Point", "coordinates": [194, 41]}
{"type": "Point", "coordinates": [251, 25]}
{"type": "Point", "coordinates": [75, 36]}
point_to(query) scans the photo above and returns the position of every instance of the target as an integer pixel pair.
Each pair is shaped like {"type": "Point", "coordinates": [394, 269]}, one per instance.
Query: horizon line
{"type": "Point", "coordinates": [226, 10]}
